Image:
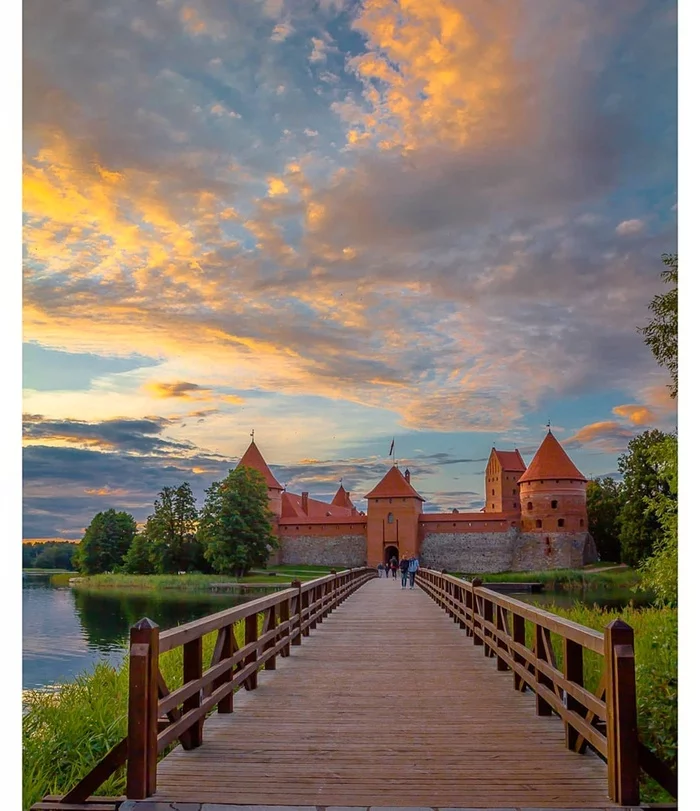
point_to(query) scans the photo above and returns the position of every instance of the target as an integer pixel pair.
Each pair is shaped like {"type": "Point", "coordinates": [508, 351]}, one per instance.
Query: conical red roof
{"type": "Point", "coordinates": [253, 458]}
{"type": "Point", "coordinates": [393, 485]}
{"type": "Point", "coordinates": [342, 498]}
{"type": "Point", "coordinates": [551, 462]}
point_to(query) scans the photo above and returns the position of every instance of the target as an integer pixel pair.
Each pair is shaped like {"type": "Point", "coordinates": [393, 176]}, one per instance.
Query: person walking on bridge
{"type": "Point", "coordinates": [413, 567]}
{"type": "Point", "coordinates": [380, 569]}
{"type": "Point", "coordinates": [394, 567]}
{"type": "Point", "coordinates": [404, 570]}
{"type": "Point", "coordinates": [386, 569]}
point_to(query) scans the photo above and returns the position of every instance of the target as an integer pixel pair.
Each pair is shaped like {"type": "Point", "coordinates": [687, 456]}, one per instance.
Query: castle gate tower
{"type": "Point", "coordinates": [393, 510]}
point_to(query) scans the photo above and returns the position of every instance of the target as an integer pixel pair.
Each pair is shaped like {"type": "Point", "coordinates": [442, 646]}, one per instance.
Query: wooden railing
{"type": "Point", "coordinates": [605, 720]}
{"type": "Point", "coordinates": [157, 716]}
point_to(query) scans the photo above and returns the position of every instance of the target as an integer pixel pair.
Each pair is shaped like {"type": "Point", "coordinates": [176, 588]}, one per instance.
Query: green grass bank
{"type": "Point", "coordinates": [617, 577]}
{"type": "Point", "coordinates": [274, 576]}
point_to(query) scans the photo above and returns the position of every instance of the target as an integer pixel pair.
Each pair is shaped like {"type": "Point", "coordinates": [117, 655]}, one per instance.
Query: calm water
{"type": "Point", "coordinates": [606, 598]}
{"type": "Point", "coordinates": [66, 631]}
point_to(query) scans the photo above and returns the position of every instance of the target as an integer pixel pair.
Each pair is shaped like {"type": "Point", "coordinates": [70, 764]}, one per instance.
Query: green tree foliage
{"type": "Point", "coordinates": [48, 555]}
{"type": "Point", "coordinates": [660, 571]}
{"type": "Point", "coordinates": [661, 333]}
{"type": "Point", "coordinates": [105, 543]}
{"type": "Point", "coordinates": [604, 505]}
{"type": "Point", "coordinates": [171, 530]}
{"type": "Point", "coordinates": [139, 559]}
{"type": "Point", "coordinates": [235, 525]}
{"type": "Point", "coordinates": [643, 480]}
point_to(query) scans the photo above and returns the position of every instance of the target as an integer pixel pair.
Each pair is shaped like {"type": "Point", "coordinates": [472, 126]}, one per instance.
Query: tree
{"type": "Point", "coordinates": [140, 558]}
{"type": "Point", "coordinates": [661, 333]}
{"type": "Point", "coordinates": [640, 527]}
{"type": "Point", "coordinates": [235, 525]}
{"type": "Point", "coordinates": [603, 504]}
{"type": "Point", "coordinates": [105, 542]}
{"type": "Point", "coordinates": [171, 529]}
{"type": "Point", "coordinates": [55, 556]}
{"type": "Point", "coordinates": [660, 571]}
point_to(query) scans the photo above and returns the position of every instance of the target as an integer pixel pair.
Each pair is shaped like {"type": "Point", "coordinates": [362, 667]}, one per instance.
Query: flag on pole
{"type": "Point", "coordinates": [391, 449]}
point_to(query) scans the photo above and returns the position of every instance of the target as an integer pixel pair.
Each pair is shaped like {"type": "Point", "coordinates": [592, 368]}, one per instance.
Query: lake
{"type": "Point", "coordinates": [605, 598]}
{"type": "Point", "coordinates": [66, 631]}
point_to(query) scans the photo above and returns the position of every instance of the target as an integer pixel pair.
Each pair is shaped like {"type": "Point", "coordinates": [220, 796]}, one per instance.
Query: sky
{"type": "Point", "coordinates": [337, 223]}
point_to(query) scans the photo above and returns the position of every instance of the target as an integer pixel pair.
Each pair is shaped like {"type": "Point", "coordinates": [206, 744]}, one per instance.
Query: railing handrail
{"type": "Point", "coordinates": [588, 637]}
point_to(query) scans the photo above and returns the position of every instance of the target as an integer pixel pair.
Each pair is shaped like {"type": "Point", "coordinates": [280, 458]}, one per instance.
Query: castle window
{"type": "Point", "coordinates": [454, 525]}
{"type": "Point", "coordinates": [296, 527]}
{"type": "Point", "coordinates": [529, 505]}
{"type": "Point", "coordinates": [376, 501]}
{"type": "Point", "coordinates": [390, 518]}
{"type": "Point", "coordinates": [403, 499]}
{"type": "Point", "coordinates": [580, 523]}
{"type": "Point", "coordinates": [513, 492]}
{"type": "Point", "coordinates": [555, 504]}
{"type": "Point", "coordinates": [493, 506]}
{"type": "Point", "coordinates": [538, 524]}
{"type": "Point", "coordinates": [515, 506]}
{"type": "Point", "coordinates": [557, 480]}
{"type": "Point", "coordinates": [560, 522]}
{"type": "Point", "coordinates": [390, 500]}
{"type": "Point", "coordinates": [493, 492]}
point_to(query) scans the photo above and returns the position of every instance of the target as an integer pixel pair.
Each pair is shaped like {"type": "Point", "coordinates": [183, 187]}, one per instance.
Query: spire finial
{"type": "Point", "coordinates": [549, 425]}
{"type": "Point", "coordinates": [252, 434]}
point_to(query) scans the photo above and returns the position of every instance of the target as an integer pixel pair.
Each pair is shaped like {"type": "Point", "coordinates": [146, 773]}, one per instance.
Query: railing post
{"type": "Point", "coordinates": [518, 636]}
{"type": "Point", "coordinates": [304, 606]}
{"type": "Point", "coordinates": [142, 734]}
{"type": "Point", "coordinates": [251, 635]}
{"type": "Point", "coordinates": [226, 703]}
{"type": "Point", "coordinates": [573, 672]}
{"type": "Point", "coordinates": [501, 625]}
{"type": "Point", "coordinates": [621, 703]}
{"type": "Point", "coordinates": [284, 617]}
{"type": "Point", "coordinates": [462, 606]}
{"type": "Point", "coordinates": [191, 671]}
{"type": "Point", "coordinates": [271, 663]}
{"type": "Point", "coordinates": [296, 584]}
{"type": "Point", "coordinates": [542, 707]}
{"type": "Point", "coordinates": [476, 582]}
{"type": "Point", "coordinates": [488, 617]}
{"type": "Point", "coordinates": [469, 609]}
{"type": "Point", "coordinates": [313, 599]}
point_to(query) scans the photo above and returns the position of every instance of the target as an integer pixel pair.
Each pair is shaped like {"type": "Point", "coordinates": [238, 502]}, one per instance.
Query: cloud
{"type": "Point", "coordinates": [189, 391]}
{"type": "Point", "coordinates": [609, 436]}
{"type": "Point", "coordinates": [636, 414]}
{"type": "Point", "coordinates": [630, 227]}
{"type": "Point", "coordinates": [281, 31]}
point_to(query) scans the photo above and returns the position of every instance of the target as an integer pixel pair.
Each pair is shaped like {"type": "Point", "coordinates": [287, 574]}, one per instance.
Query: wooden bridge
{"type": "Point", "coordinates": [360, 693]}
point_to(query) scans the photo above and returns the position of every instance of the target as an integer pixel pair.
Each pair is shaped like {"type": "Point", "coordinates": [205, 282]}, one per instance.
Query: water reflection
{"type": "Point", "coordinates": [611, 599]}
{"type": "Point", "coordinates": [66, 631]}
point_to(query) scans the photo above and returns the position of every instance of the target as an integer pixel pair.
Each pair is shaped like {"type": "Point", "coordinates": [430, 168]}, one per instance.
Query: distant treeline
{"type": "Point", "coordinates": [48, 555]}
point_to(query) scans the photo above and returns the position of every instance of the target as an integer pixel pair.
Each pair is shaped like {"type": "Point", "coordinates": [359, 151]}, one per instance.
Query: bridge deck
{"type": "Point", "coordinates": [385, 703]}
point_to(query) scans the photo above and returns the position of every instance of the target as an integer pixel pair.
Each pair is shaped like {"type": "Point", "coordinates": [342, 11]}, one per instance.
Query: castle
{"type": "Point", "coordinates": [534, 518]}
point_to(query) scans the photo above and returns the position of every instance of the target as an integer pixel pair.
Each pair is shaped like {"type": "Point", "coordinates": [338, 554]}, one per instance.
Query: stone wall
{"type": "Point", "coordinates": [468, 552]}
{"type": "Point", "coordinates": [514, 551]}
{"type": "Point", "coordinates": [553, 550]}
{"type": "Point", "coordinates": [340, 551]}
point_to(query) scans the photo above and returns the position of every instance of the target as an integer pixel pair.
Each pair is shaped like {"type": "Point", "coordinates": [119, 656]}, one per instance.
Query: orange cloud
{"type": "Point", "coordinates": [636, 414]}
{"type": "Point", "coordinates": [189, 391]}
{"type": "Point", "coordinates": [446, 73]}
{"type": "Point", "coordinates": [606, 435]}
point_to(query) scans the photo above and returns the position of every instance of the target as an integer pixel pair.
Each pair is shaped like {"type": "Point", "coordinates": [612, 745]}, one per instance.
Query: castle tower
{"type": "Point", "coordinates": [553, 492]}
{"type": "Point", "coordinates": [393, 510]}
{"type": "Point", "coordinates": [342, 499]}
{"type": "Point", "coordinates": [503, 470]}
{"type": "Point", "coordinates": [254, 459]}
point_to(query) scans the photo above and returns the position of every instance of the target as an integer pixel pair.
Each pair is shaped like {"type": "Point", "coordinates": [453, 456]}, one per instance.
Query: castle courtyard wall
{"type": "Point", "coordinates": [475, 552]}
{"type": "Point", "coordinates": [340, 551]}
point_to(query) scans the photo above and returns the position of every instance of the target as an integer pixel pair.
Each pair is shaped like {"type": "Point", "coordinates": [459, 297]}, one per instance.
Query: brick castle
{"type": "Point", "coordinates": [534, 518]}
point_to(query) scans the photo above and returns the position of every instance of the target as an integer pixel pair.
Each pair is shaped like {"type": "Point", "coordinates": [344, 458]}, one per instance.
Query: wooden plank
{"type": "Point", "coordinates": [320, 731]}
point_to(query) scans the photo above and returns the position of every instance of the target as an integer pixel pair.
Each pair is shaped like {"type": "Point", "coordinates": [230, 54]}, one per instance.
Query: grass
{"type": "Point", "coordinates": [565, 579]}
{"type": "Point", "coordinates": [31, 570]}
{"type": "Point", "coordinates": [193, 581]}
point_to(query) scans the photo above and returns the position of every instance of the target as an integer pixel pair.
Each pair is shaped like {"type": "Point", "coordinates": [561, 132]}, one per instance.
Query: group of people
{"type": "Point", "coordinates": [408, 568]}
